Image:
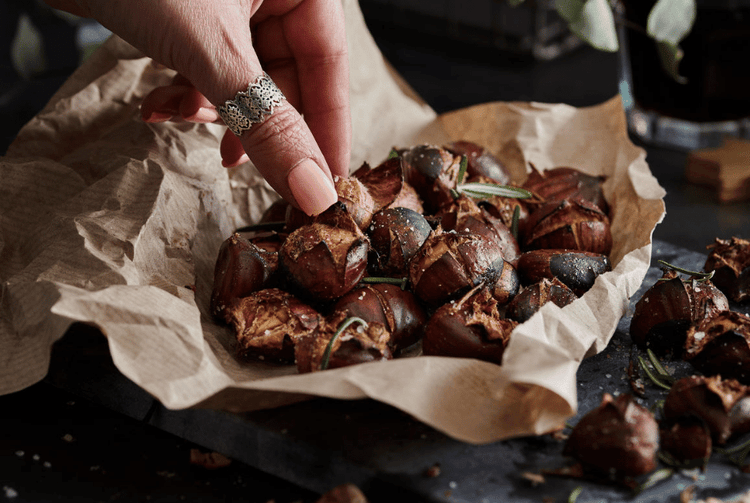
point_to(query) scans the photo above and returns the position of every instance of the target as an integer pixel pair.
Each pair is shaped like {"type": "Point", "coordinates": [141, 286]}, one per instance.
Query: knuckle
{"type": "Point", "coordinates": [283, 129]}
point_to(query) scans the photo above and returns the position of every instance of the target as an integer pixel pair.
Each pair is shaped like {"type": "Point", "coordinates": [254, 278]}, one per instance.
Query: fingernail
{"type": "Point", "coordinates": [205, 115]}
{"type": "Point", "coordinates": [311, 188]}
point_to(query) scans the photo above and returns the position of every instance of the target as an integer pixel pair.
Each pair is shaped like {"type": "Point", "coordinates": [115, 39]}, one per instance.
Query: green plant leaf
{"type": "Point", "coordinates": [592, 21]}
{"type": "Point", "coordinates": [671, 20]}
{"type": "Point", "coordinates": [670, 57]}
{"type": "Point", "coordinates": [515, 3]}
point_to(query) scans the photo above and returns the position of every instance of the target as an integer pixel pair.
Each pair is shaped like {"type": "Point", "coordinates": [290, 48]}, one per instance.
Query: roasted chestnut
{"type": "Point", "coordinates": [241, 268]}
{"type": "Point", "coordinates": [464, 215]}
{"type": "Point", "coordinates": [686, 441]}
{"type": "Point", "coordinates": [730, 261]}
{"type": "Point", "coordinates": [721, 345]}
{"type": "Point", "coordinates": [268, 323]}
{"type": "Point", "coordinates": [507, 285]}
{"type": "Point", "coordinates": [617, 439]}
{"type": "Point", "coordinates": [390, 305]}
{"type": "Point", "coordinates": [396, 234]}
{"type": "Point", "coordinates": [722, 404]}
{"type": "Point", "coordinates": [342, 341]}
{"type": "Point", "coordinates": [570, 224]}
{"type": "Point", "coordinates": [664, 314]}
{"type": "Point", "coordinates": [470, 327]}
{"type": "Point", "coordinates": [561, 183]}
{"type": "Point", "coordinates": [433, 172]}
{"type": "Point", "coordinates": [451, 263]}
{"type": "Point", "coordinates": [576, 269]}
{"type": "Point", "coordinates": [327, 258]}
{"type": "Point", "coordinates": [533, 297]}
{"type": "Point", "coordinates": [480, 162]}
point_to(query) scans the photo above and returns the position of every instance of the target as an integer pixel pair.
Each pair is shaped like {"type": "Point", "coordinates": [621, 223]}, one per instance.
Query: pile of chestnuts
{"type": "Point", "coordinates": [434, 250]}
{"type": "Point", "coordinates": [679, 318]}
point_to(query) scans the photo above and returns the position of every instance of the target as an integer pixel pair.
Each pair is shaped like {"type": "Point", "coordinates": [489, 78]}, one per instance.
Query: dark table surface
{"type": "Point", "coordinates": [97, 437]}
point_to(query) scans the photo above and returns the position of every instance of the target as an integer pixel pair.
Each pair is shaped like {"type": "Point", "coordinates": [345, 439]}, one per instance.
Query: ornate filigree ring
{"type": "Point", "coordinates": [251, 106]}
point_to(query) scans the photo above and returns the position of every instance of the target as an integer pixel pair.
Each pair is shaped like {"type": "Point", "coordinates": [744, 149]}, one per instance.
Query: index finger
{"type": "Point", "coordinates": [315, 31]}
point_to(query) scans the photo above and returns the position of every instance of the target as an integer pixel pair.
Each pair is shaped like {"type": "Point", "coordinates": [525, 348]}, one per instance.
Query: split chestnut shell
{"type": "Point", "coordinates": [327, 258]}
{"type": "Point", "coordinates": [451, 263]}
{"type": "Point", "coordinates": [469, 328]}
{"type": "Point", "coordinates": [570, 224]}
{"type": "Point", "coordinates": [269, 322]}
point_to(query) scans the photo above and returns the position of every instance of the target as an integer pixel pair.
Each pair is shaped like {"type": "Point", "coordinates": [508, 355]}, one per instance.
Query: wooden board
{"type": "Point", "coordinates": [726, 169]}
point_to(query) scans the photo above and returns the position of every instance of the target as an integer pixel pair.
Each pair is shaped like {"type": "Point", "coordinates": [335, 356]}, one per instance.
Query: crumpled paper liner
{"type": "Point", "coordinates": [110, 221]}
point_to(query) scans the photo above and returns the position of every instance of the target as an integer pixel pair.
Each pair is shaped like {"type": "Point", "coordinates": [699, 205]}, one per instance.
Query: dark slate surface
{"type": "Point", "coordinates": [321, 443]}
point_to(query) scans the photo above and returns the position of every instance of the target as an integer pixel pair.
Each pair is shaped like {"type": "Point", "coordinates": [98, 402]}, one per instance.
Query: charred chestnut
{"type": "Point", "coordinates": [241, 268]}
{"type": "Point", "coordinates": [561, 183]}
{"type": "Point", "coordinates": [730, 261]}
{"type": "Point", "coordinates": [617, 439]}
{"type": "Point", "coordinates": [576, 269]}
{"type": "Point", "coordinates": [268, 323]}
{"type": "Point", "coordinates": [327, 258]}
{"type": "Point", "coordinates": [664, 314]}
{"type": "Point", "coordinates": [721, 345]}
{"type": "Point", "coordinates": [433, 172]}
{"type": "Point", "coordinates": [507, 285]}
{"type": "Point", "coordinates": [469, 328]}
{"type": "Point", "coordinates": [480, 162]}
{"type": "Point", "coordinates": [389, 305]}
{"type": "Point", "coordinates": [722, 404]}
{"type": "Point", "coordinates": [396, 234]}
{"type": "Point", "coordinates": [451, 263]}
{"type": "Point", "coordinates": [569, 224]}
{"type": "Point", "coordinates": [464, 215]}
{"type": "Point", "coordinates": [532, 298]}
{"type": "Point", "coordinates": [687, 441]}
{"type": "Point", "coordinates": [342, 341]}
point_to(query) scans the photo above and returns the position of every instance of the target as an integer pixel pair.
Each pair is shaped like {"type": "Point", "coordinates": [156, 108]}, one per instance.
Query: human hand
{"type": "Point", "coordinates": [218, 48]}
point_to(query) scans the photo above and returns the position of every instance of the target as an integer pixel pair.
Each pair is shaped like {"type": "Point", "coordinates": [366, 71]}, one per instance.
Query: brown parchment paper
{"type": "Point", "coordinates": [110, 221]}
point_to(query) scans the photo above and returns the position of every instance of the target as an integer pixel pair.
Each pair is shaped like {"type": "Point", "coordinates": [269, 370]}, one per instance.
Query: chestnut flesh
{"type": "Point", "coordinates": [720, 345]}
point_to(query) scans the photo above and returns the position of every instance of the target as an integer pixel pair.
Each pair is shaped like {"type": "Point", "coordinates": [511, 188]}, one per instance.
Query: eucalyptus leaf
{"type": "Point", "coordinates": [671, 20]}
{"type": "Point", "coordinates": [592, 21]}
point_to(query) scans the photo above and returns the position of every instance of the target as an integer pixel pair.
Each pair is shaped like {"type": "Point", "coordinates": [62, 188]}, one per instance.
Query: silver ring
{"type": "Point", "coordinates": [251, 106]}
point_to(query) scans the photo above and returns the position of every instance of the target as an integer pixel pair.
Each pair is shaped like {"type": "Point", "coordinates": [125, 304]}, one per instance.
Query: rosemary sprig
{"type": "Point", "coordinates": [484, 190]}
{"type": "Point", "coordinates": [651, 376]}
{"type": "Point", "coordinates": [655, 478]}
{"type": "Point", "coordinates": [402, 282]}
{"type": "Point", "coordinates": [392, 154]}
{"type": "Point", "coordinates": [573, 496]}
{"type": "Point", "coordinates": [347, 322]}
{"type": "Point", "coordinates": [663, 374]}
{"type": "Point", "coordinates": [698, 275]}
{"type": "Point", "coordinates": [462, 169]}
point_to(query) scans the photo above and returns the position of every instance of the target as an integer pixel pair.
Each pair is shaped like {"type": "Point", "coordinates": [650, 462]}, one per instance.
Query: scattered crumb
{"type": "Point", "coordinates": [345, 493]}
{"type": "Point", "coordinates": [433, 471]}
{"type": "Point", "coordinates": [535, 478]}
{"type": "Point", "coordinates": [686, 496]}
{"type": "Point", "coordinates": [209, 460]}
{"type": "Point", "coordinates": [68, 437]}
{"type": "Point", "coordinates": [20, 454]}
{"type": "Point", "coordinates": [10, 493]}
